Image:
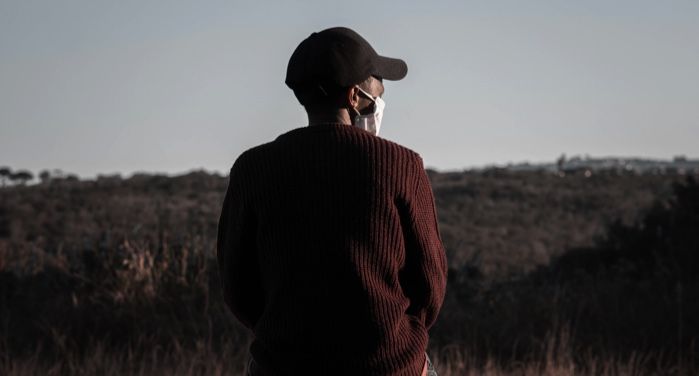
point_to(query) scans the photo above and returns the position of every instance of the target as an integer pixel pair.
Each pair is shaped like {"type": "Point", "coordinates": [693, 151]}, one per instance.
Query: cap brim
{"type": "Point", "coordinates": [391, 68]}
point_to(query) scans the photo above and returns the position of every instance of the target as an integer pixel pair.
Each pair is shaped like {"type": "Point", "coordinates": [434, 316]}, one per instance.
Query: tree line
{"type": "Point", "coordinates": [22, 177]}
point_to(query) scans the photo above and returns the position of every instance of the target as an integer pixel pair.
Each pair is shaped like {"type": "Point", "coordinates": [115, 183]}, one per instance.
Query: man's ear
{"type": "Point", "coordinates": [352, 96]}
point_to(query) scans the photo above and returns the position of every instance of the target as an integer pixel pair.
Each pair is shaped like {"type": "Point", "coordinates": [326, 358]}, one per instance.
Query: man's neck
{"type": "Point", "coordinates": [333, 116]}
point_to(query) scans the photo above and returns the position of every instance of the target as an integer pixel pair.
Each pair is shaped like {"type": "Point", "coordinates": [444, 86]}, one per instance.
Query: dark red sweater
{"type": "Point", "coordinates": [330, 252]}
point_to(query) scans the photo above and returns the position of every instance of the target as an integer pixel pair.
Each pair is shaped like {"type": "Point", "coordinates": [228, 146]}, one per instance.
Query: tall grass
{"type": "Point", "coordinates": [146, 310]}
{"type": "Point", "coordinates": [229, 359]}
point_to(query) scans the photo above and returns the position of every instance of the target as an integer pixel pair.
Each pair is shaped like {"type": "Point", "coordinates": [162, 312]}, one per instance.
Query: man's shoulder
{"type": "Point", "coordinates": [402, 149]}
{"type": "Point", "coordinates": [252, 151]}
{"type": "Point", "coordinates": [248, 155]}
{"type": "Point", "coordinates": [401, 154]}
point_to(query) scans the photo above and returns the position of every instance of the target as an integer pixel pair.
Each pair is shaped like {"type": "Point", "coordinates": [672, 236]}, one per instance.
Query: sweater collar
{"type": "Point", "coordinates": [323, 127]}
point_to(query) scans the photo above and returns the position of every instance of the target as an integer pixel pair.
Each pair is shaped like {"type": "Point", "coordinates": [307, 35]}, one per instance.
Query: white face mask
{"type": "Point", "coordinates": [370, 122]}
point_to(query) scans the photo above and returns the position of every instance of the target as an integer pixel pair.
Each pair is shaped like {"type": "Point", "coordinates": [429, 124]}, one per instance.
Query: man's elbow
{"type": "Point", "coordinates": [237, 312]}
{"type": "Point", "coordinates": [439, 288]}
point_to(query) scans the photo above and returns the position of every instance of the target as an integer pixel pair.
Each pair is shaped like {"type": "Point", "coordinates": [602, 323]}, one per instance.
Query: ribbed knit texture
{"type": "Point", "coordinates": [330, 252]}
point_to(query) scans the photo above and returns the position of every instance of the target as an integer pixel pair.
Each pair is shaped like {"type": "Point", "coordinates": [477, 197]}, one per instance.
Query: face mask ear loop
{"type": "Point", "coordinates": [367, 94]}
{"type": "Point", "coordinates": [370, 97]}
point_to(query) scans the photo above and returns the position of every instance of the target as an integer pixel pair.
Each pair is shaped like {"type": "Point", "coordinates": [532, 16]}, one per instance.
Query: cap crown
{"type": "Point", "coordinates": [337, 56]}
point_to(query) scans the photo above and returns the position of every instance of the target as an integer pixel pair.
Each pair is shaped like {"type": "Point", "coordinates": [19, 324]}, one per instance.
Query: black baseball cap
{"type": "Point", "coordinates": [339, 57]}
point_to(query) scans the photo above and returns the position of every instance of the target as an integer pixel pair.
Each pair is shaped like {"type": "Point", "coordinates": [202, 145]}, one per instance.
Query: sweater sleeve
{"type": "Point", "coordinates": [236, 252]}
{"type": "Point", "coordinates": [424, 275]}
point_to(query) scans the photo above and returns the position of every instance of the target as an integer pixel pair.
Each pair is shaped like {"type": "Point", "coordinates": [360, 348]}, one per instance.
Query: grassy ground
{"type": "Point", "coordinates": [119, 277]}
{"type": "Point", "coordinates": [557, 358]}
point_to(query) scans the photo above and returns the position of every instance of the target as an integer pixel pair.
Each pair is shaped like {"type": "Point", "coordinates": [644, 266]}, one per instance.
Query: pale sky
{"type": "Point", "coordinates": [99, 87]}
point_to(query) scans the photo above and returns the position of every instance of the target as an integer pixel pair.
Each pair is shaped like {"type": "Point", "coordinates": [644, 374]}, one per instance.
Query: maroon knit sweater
{"type": "Point", "coordinates": [330, 252]}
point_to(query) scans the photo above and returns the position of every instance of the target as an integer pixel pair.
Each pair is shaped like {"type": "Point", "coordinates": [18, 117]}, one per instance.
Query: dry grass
{"type": "Point", "coordinates": [230, 359]}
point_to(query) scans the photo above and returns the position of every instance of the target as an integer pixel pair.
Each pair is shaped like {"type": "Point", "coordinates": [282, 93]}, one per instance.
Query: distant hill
{"type": "Point", "coordinates": [678, 165]}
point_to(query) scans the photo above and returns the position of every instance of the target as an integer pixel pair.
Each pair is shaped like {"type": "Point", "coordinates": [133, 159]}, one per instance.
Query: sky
{"type": "Point", "coordinates": [104, 87]}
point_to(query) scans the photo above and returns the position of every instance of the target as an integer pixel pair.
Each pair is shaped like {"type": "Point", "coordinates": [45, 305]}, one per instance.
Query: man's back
{"type": "Point", "coordinates": [330, 252]}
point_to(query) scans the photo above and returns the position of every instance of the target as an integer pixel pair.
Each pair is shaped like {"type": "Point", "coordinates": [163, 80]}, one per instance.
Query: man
{"type": "Point", "coordinates": [328, 245]}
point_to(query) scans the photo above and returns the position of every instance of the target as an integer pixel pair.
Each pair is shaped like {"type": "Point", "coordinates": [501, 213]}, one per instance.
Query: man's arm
{"type": "Point", "coordinates": [236, 252]}
{"type": "Point", "coordinates": [424, 277]}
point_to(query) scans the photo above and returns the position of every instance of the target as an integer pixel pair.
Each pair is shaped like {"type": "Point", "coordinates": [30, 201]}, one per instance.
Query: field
{"type": "Point", "coordinates": [548, 274]}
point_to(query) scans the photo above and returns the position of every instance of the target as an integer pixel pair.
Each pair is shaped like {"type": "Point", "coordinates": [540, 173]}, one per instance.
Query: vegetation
{"type": "Point", "coordinates": [594, 274]}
